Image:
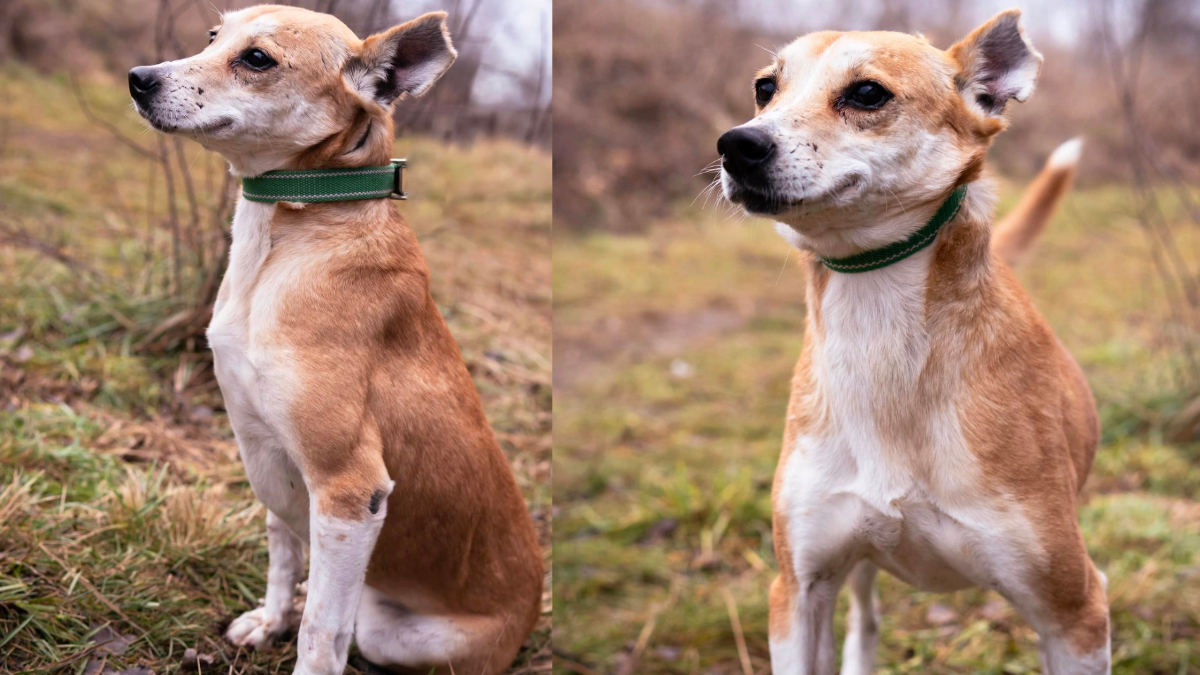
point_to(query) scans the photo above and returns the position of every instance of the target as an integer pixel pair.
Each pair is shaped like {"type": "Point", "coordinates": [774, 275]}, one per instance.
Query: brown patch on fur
{"type": "Point", "coordinates": [782, 595]}
{"type": "Point", "coordinates": [820, 41]}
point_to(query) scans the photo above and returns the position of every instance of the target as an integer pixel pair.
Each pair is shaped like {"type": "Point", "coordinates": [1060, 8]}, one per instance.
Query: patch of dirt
{"type": "Point", "coordinates": [580, 355]}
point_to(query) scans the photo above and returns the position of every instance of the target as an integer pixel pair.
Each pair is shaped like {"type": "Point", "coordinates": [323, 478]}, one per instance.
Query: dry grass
{"type": "Point", "coordinates": [123, 508]}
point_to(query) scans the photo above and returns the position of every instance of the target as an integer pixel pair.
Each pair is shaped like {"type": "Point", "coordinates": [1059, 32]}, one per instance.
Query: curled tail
{"type": "Point", "coordinates": [1014, 236]}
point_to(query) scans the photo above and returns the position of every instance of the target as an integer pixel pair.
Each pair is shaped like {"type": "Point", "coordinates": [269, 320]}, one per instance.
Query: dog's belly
{"type": "Point", "coordinates": [275, 478]}
{"type": "Point", "coordinates": [931, 552]}
{"type": "Point", "coordinates": [921, 545]}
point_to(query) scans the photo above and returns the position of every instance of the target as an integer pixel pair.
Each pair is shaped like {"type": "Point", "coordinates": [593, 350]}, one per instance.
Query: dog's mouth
{"type": "Point", "coordinates": [766, 200]}
{"type": "Point", "coordinates": [213, 128]}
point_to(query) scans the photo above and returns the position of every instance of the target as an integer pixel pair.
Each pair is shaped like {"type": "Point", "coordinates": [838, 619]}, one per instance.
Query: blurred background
{"type": "Point", "coordinates": [678, 323]}
{"type": "Point", "coordinates": [128, 533]}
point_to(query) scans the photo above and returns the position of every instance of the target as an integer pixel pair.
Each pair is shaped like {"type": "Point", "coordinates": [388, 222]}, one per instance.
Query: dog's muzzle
{"type": "Point", "coordinates": [143, 83]}
{"type": "Point", "coordinates": [746, 152]}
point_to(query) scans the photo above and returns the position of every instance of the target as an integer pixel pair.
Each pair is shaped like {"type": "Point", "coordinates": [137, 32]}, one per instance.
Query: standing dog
{"type": "Point", "coordinates": [937, 428]}
{"type": "Point", "coordinates": [357, 421]}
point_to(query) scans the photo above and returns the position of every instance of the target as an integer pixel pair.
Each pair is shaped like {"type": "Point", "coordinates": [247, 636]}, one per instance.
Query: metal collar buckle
{"type": "Point", "coordinates": [398, 180]}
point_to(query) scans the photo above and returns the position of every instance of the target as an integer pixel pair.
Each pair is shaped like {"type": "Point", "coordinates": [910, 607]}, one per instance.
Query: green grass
{"type": "Point", "coordinates": [123, 505]}
{"type": "Point", "coordinates": [674, 351]}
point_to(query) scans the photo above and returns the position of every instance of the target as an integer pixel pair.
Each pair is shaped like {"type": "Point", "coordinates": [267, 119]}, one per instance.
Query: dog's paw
{"type": "Point", "coordinates": [255, 628]}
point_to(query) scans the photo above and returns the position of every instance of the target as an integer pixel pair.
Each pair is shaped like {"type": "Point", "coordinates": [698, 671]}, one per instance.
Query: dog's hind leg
{"type": "Point", "coordinates": [286, 555]}
{"type": "Point", "coordinates": [862, 625]}
{"type": "Point", "coordinates": [1077, 641]}
{"type": "Point", "coordinates": [394, 637]}
{"type": "Point", "coordinates": [1065, 598]}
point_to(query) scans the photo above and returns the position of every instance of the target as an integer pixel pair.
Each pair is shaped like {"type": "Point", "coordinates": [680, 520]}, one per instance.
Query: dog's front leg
{"type": "Point", "coordinates": [348, 502]}
{"type": "Point", "coordinates": [801, 625]}
{"type": "Point", "coordinates": [345, 523]}
{"type": "Point", "coordinates": [286, 563]}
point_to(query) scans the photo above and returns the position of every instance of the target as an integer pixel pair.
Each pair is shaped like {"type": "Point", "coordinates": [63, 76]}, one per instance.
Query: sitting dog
{"type": "Point", "coordinates": [937, 428]}
{"type": "Point", "coordinates": [357, 421]}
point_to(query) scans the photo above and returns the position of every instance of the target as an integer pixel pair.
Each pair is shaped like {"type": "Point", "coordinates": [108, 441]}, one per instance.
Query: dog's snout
{"type": "Point", "coordinates": [745, 148]}
{"type": "Point", "coordinates": [143, 81]}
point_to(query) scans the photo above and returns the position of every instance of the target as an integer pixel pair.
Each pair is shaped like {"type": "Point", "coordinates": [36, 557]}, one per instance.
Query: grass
{"type": "Point", "coordinates": [674, 353]}
{"type": "Point", "coordinates": [123, 507]}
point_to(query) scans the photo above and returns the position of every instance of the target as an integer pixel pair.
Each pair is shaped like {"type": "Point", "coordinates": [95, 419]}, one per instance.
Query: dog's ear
{"type": "Point", "coordinates": [996, 63]}
{"type": "Point", "coordinates": [406, 59]}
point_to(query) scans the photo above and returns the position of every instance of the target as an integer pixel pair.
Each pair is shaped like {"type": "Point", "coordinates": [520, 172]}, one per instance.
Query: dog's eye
{"type": "Point", "coordinates": [257, 59]}
{"type": "Point", "coordinates": [867, 95]}
{"type": "Point", "coordinates": [764, 89]}
{"type": "Point", "coordinates": [212, 35]}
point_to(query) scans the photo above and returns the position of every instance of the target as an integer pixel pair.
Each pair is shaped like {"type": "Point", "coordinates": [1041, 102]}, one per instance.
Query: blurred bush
{"type": "Point", "coordinates": [641, 95]}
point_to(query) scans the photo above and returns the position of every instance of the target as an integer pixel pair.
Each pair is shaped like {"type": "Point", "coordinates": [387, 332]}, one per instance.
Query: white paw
{"type": "Point", "coordinates": [255, 628]}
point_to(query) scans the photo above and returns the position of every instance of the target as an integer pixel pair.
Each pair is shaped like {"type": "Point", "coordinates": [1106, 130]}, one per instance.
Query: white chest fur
{"type": "Point", "coordinates": [254, 378]}
{"type": "Point", "coordinates": [855, 489]}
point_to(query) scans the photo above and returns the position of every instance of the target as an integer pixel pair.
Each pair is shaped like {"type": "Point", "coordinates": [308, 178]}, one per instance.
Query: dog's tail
{"type": "Point", "coordinates": [1014, 236]}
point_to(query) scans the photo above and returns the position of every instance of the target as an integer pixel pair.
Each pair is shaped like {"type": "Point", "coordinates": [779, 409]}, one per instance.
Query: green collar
{"type": "Point", "coordinates": [882, 257]}
{"type": "Point", "coordinates": [328, 185]}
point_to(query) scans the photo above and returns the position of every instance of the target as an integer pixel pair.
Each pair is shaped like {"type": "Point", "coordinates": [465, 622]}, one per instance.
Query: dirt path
{"type": "Point", "coordinates": [580, 354]}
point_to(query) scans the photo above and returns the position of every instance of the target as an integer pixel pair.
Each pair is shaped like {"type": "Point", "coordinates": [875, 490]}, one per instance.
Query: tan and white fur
{"type": "Point", "coordinates": [937, 428]}
{"type": "Point", "coordinates": [358, 423]}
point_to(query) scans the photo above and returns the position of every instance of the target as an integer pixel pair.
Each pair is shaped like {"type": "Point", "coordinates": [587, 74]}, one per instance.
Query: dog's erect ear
{"type": "Point", "coordinates": [996, 63]}
{"type": "Point", "coordinates": [406, 59]}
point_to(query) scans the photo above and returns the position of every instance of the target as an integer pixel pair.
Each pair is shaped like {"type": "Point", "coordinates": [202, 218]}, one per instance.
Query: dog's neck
{"type": "Point", "coordinates": [961, 252]}
{"type": "Point", "coordinates": [872, 336]}
{"type": "Point", "coordinates": [366, 140]}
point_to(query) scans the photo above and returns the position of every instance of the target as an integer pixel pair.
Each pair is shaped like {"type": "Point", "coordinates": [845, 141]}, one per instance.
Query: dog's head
{"type": "Point", "coordinates": [278, 82]}
{"type": "Point", "coordinates": [850, 126]}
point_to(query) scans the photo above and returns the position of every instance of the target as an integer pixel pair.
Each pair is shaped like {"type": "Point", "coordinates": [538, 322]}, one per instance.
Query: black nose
{"type": "Point", "coordinates": [745, 149]}
{"type": "Point", "coordinates": [142, 83]}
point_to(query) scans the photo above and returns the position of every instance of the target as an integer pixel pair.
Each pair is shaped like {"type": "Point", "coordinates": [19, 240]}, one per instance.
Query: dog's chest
{"type": "Point", "coordinates": [888, 475]}
{"type": "Point", "coordinates": [868, 365]}
{"type": "Point", "coordinates": [255, 378]}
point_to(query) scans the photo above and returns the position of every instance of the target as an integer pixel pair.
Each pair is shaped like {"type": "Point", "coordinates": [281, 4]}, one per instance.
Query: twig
{"type": "Point", "coordinates": [573, 663]}
{"type": "Point", "coordinates": [173, 212]}
{"type": "Point", "coordinates": [20, 237]}
{"type": "Point", "coordinates": [631, 665]}
{"type": "Point", "coordinates": [738, 636]}
{"type": "Point", "coordinates": [104, 124]}
{"type": "Point", "coordinates": [193, 206]}
{"type": "Point", "coordinates": [95, 591]}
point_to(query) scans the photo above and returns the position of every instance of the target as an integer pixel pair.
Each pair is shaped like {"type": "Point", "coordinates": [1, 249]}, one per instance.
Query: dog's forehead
{"type": "Point", "coordinates": [811, 52]}
{"type": "Point", "coordinates": [248, 25]}
{"type": "Point", "coordinates": [832, 54]}
{"type": "Point", "coordinates": [279, 21]}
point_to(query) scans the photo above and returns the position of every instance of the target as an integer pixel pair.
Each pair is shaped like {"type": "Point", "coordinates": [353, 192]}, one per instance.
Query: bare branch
{"type": "Point", "coordinates": [104, 124]}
